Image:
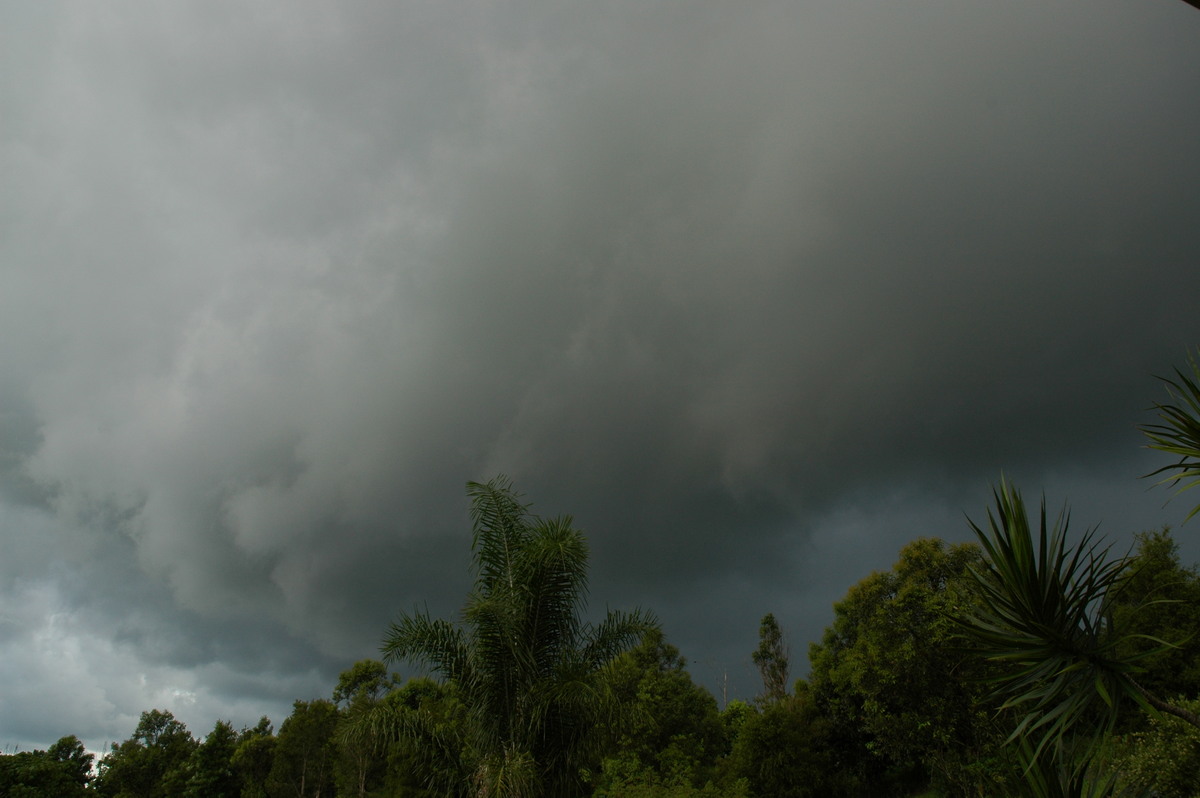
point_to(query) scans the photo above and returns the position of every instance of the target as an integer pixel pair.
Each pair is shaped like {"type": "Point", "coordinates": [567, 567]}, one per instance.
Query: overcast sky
{"type": "Point", "coordinates": [756, 291]}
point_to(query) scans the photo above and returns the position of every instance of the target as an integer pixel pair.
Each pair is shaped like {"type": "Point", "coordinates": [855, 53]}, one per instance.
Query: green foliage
{"type": "Point", "coordinates": [786, 748]}
{"type": "Point", "coordinates": [74, 760]}
{"type": "Point", "coordinates": [526, 668]}
{"type": "Point", "coordinates": [364, 682]}
{"type": "Point", "coordinates": [304, 751]}
{"type": "Point", "coordinates": [1161, 599]}
{"type": "Point", "coordinates": [1164, 760]}
{"type": "Point", "coordinates": [411, 763]}
{"type": "Point", "coordinates": [1053, 772]}
{"type": "Point", "coordinates": [62, 771]}
{"type": "Point", "coordinates": [772, 659]}
{"type": "Point", "coordinates": [253, 758]}
{"type": "Point", "coordinates": [1178, 432]}
{"type": "Point", "coordinates": [733, 719]}
{"type": "Point", "coordinates": [210, 769]}
{"type": "Point", "coordinates": [672, 734]}
{"type": "Point", "coordinates": [640, 788]}
{"type": "Point", "coordinates": [902, 694]}
{"type": "Point", "coordinates": [152, 763]}
{"type": "Point", "coordinates": [359, 768]}
{"type": "Point", "coordinates": [1046, 614]}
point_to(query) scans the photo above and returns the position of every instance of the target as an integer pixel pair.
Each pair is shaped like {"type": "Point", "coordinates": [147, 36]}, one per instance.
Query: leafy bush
{"type": "Point", "coordinates": [1164, 760]}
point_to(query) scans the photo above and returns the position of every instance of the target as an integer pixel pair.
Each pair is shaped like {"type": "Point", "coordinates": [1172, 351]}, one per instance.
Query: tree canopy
{"type": "Point", "coordinates": [895, 680]}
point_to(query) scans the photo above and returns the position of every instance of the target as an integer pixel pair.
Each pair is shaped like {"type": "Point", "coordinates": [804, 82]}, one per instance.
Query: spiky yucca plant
{"type": "Point", "coordinates": [1178, 432]}
{"type": "Point", "coordinates": [1053, 773]}
{"type": "Point", "coordinates": [1045, 613]}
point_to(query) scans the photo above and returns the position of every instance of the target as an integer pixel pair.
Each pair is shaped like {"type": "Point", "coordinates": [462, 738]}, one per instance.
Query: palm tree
{"type": "Point", "coordinates": [1045, 613]}
{"type": "Point", "coordinates": [526, 670]}
{"type": "Point", "coordinates": [1179, 430]}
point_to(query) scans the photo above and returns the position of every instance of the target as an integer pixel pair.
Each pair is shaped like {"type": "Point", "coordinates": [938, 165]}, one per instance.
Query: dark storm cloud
{"type": "Point", "coordinates": [947, 284]}
{"type": "Point", "coordinates": [757, 294]}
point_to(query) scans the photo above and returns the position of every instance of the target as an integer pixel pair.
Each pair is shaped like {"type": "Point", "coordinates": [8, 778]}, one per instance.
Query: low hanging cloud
{"type": "Point", "coordinates": [756, 293]}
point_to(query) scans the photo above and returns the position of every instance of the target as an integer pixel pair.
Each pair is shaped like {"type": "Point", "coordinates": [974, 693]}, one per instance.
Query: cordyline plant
{"type": "Point", "coordinates": [1055, 774]}
{"type": "Point", "coordinates": [1178, 432]}
{"type": "Point", "coordinates": [1045, 615]}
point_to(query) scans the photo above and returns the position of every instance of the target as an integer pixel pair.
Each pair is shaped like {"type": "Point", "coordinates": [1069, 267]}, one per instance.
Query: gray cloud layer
{"type": "Point", "coordinates": [756, 293]}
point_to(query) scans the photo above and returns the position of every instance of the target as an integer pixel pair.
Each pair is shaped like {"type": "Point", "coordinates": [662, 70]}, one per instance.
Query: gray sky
{"type": "Point", "coordinates": [758, 292]}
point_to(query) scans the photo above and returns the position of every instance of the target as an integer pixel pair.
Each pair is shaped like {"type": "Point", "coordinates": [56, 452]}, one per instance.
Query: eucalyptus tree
{"type": "Point", "coordinates": [1045, 611]}
{"type": "Point", "coordinates": [772, 659]}
{"type": "Point", "coordinates": [525, 667]}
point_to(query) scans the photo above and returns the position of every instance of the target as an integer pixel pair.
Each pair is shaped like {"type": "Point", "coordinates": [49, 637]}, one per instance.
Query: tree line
{"type": "Point", "coordinates": [896, 703]}
{"type": "Point", "coordinates": [1027, 664]}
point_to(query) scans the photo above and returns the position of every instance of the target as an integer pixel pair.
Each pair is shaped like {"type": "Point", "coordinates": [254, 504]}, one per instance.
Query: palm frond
{"type": "Point", "coordinates": [616, 634]}
{"type": "Point", "coordinates": [554, 573]}
{"type": "Point", "coordinates": [497, 679]}
{"type": "Point", "coordinates": [441, 749]}
{"type": "Point", "coordinates": [499, 527]}
{"type": "Point", "coordinates": [509, 772]}
{"type": "Point", "coordinates": [434, 642]}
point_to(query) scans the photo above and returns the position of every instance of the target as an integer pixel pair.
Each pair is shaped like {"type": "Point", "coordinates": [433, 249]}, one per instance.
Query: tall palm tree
{"type": "Point", "coordinates": [526, 670]}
